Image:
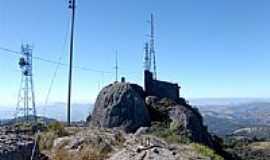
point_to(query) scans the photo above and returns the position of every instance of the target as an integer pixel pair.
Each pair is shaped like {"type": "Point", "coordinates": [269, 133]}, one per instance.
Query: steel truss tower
{"type": "Point", "coordinates": [152, 47]}
{"type": "Point", "coordinates": [26, 106]}
{"type": "Point", "coordinates": [147, 65]}
{"type": "Point", "coordinates": [116, 66]}
{"type": "Point", "coordinates": [150, 54]}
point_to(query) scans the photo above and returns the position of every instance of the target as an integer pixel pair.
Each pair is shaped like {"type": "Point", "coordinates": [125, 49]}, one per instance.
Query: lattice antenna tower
{"type": "Point", "coordinates": [116, 66]}
{"type": "Point", "coordinates": [26, 105]}
{"type": "Point", "coordinates": [152, 53]}
{"type": "Point", "coordinates": [147, 65]}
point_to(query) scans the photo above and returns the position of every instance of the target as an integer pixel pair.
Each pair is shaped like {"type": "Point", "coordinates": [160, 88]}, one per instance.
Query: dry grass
{"type": "Point", "coordinates": [85, 145]}
{"type": "Point", "coordinates": [53, 131]}
{"type": "Point", "coordinates": [260, 146]}
{"type": "Point", "coordinates": [87, 153]}
{"type": "Point", "coordinates": [46, 140]}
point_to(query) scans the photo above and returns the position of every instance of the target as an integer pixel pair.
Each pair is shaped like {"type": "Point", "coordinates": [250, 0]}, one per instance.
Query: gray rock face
{"type": "Point", "coordinates": [17, 147]}
{"type": "Point", "coordinates": [120, 105]}
{"type": "Point", "coordinates": [182, 118]}
{"type": "Point", "coordinates": [189, 123]}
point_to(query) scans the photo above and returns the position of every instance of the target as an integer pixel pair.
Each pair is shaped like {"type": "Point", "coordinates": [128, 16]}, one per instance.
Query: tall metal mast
{"type": "Point", "coordinates": [72, 7]}
{"type": "Point", "coordinates": [26, 105]}
{"type": "Point", "coordinates": [152, 47]}
{"type": "Point", "coordinates": [116, 66]}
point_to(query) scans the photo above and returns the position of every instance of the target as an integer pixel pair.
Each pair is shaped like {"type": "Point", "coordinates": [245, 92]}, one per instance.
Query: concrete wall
{"type": "Point", "coordinates": [160, 89]}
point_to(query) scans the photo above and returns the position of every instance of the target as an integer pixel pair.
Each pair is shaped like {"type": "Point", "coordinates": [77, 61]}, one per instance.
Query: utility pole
{"type": "Point", "coordinates": [72, 7]}
{"type": "Point", "coordinates": [116, 66]}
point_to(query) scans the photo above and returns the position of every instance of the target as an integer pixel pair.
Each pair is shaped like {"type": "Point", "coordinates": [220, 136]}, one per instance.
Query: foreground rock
{"type": "Point", "coordinates": [17, 147]}
{"type": "Point", "coordinates": [120, 105]}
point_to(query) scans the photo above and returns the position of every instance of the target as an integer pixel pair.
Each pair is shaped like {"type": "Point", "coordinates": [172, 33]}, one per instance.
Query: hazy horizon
{"type": "Point", "coordinates": [80, 111]}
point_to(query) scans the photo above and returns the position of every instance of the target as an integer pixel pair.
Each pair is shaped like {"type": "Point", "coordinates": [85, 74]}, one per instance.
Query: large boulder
{"type": "Point", "coordinates": [120, 105]}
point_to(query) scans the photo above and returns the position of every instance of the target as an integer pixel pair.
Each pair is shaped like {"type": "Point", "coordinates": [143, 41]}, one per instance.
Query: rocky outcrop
{"type": "Point", "coordinates": [127, 107]}
{"type": "Point", "coordinates": [120, 105]}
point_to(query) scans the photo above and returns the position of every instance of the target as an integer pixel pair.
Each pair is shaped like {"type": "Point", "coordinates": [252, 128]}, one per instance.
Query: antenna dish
{"type": "Point", "coordinates": [22, 62]}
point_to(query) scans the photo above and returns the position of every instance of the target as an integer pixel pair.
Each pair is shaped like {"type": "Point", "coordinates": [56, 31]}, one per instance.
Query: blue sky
{"type": "Point", "coordinates": [211, 48]}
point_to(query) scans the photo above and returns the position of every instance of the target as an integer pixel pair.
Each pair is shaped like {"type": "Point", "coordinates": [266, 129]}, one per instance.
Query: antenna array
{"type": "Point", "coordinates": [150, 55]}
{"type": "Point", "coordinates": [26, 97]}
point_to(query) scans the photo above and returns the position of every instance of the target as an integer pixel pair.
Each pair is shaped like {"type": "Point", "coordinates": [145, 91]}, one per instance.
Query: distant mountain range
{"type": "Point", "coordinates": [229, 118]}
{"type": "Point", "coordinates": [225, 101]}
{"type": "Point", "coordinates": [31, 119]}
{"type": "Point", "coordinates": [55, 110]}
{"type": "Point", "coordinates": [223, 116]}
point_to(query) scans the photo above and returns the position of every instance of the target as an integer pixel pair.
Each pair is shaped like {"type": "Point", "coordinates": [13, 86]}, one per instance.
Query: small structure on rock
{"type": "Point", "coordinates": [159, 88]}
{"type": "Point", "coordinates": [152, 86]}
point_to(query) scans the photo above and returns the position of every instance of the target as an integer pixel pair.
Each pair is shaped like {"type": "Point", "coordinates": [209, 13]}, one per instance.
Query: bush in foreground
{"type": "Point", "coordinates": [168, 133]}
{"type": "Point", "coordinates": [205, 151]}
{"type": "Point", "coordinates": [53, 131]}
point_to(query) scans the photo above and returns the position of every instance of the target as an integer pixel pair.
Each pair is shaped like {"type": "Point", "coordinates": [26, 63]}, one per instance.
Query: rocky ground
{"type": "Point", "coordinates": [14, 146]}
{"type": "Point", "coordinates": [18, 145]}
{"type": "Point", "coordinates": [113, 144]}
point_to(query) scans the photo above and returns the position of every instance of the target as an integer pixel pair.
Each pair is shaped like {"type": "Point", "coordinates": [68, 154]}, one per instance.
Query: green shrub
{"type": "Point", "coordinates": [23, 126]}
{"type": "Point", "coordinates": [207, 152]}
{"type": "Point", "coordinates": [169, 133]}
{"type": "Point", "coordinates": [58, 128]}
{"type": "Point", "coordinates": [46, 140]}
{"type": "Point", "coordinates": [53, 131]}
